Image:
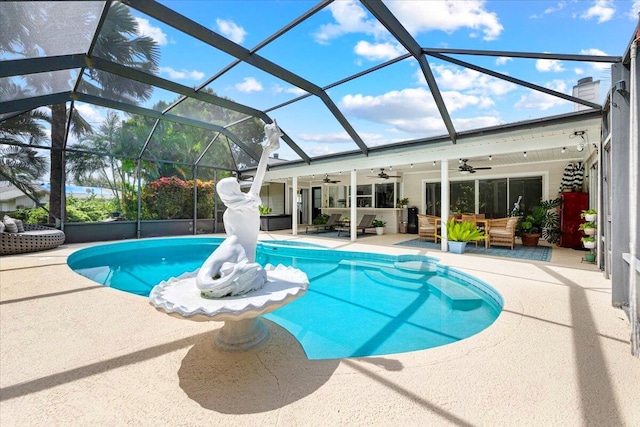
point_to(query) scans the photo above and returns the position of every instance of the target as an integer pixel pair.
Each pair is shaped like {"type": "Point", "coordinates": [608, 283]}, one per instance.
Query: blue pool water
{"type": "Point", "coordinates": [358, 304]}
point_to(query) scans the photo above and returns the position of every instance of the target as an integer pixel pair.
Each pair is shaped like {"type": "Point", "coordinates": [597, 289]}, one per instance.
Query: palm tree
{"type": "Point", "coordinates": [19, 164]}
{"type": "Point", "coordinates": [119, 41]}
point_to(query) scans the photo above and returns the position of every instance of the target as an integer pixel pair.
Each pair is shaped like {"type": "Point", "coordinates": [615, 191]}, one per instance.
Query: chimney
{"type": "Point", "coordinates": [276, 156]}
{"type": "Point", "coordinates": [588, 90]}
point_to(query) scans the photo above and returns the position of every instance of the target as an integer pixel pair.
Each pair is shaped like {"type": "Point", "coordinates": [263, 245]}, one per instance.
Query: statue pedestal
{"type": "Point", "coordinates": [242, 330]}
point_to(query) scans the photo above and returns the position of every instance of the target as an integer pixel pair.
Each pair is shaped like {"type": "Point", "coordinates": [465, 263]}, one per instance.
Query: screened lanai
{"type": "Point", "coordinates": [158, 100]}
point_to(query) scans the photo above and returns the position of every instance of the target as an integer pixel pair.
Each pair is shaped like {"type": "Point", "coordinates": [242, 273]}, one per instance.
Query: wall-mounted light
{"type": "Point", "coordinates": [564, 149]}
{"type": "Point", "coordinates": [411, 165]}
{"type": "Point", "coordinates": [524, 154]}
{"type": "Point", "coordinates": [490, 157]}
{"type": "Point", "coordinates": [434, 163]}
{"type": "Point", "coordinates": [460, 161]}
{"type": "Point", "coordinates": [371, 170]}
{"type": "Point", "coordinates": [620, 86]}
{"type": "Point", "coordinates": [390, 168]}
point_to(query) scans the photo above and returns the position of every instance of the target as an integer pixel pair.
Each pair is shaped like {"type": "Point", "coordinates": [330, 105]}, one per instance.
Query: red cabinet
{"type": "Point", "coordinates": [573, 205]}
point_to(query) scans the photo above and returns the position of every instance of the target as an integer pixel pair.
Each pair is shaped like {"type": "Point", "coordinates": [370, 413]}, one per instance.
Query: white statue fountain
{"type": "Point", "coordinates": [230, 286]}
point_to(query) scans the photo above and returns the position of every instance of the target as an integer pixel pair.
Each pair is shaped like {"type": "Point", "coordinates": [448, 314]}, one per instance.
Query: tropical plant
{"type": "Point", "coordinates": [588, 239]}
{"type": "Point", "coordinates": [378, 223]}
{"type": "Point", "coordinates": [321, 219]}
{"type": "Point", "coordinates": [586, 225]}
{"type": "Point", "coordinates": [542, 219]}
{"type": "Point", "coordinates": [462, 231]}
{"type": "Point", "coordinates": [264, 210]}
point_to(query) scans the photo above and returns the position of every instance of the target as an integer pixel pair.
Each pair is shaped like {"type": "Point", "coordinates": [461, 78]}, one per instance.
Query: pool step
{"type": "Point", "coordinates": [421, 266]}
{"type": "Point", "coordinates": [389, 280]}
{"type": "Point", "coordinates": [387, 270]}
{"type": "Point", "coordinates": [459, 297]}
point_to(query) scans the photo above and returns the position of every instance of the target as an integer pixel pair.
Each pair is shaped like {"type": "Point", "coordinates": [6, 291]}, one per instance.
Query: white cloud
{"type": "Point", "coordinates": [503, 60]}
{"type": "Point", "coordinates": [476, 122]}
{"type": "Point", "coordinates": [90, 114]}
{"type": "Point", "coordinates": [249, 84]}
{"type": "Point", "coordinates": [542, 101]}
{"type": "Point", "coordinates": [601, 9]}
{"type": "Point", "coordinates": [181, 74]}
{"type": "Point", "coordinates": [408, 110]}
{"type": "Point", "coordinates": [579, 71]}
{"type": "Point", "coordinates": [296, 91]}
{"type": "Point", "coordinates": [231, 30]}
{"type": "Point", "coordinates": [546, 65]}
{"type": "Point", "coordinates": [635, 9]}
{"type": "Point", "coordinates": [552, 9]}
{"type": "Point", "coordinates": [378, 51]}
{"type": "Point", "coordinates": [146, 29]}
{"type": "Point", "coordinates": [350, 17]}
{"type": "Point", "coordinates": [597, 66]}
{"type": "Point", "coordinates": [458, 79]}
{"type": "Point", "coordinates": [448, 16]}
{"type": "Point", "coordinates": [327, 138]}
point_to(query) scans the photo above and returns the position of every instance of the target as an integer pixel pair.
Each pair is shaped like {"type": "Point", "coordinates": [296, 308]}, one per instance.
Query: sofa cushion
{"type": "Point", "coordinates": [1, 226]}
{"type": "Point", "coordinates": [20, 225]}
{"type": "Point", "coordinates": [10, 224]}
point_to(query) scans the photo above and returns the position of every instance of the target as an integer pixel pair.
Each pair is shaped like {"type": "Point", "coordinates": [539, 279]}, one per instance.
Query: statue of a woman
{"type": "Point", "coordinates": [231, 269]}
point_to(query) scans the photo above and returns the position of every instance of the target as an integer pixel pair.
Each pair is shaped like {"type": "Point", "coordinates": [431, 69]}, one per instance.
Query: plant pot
{"type": "Point", "coordinates": [589, 245]}
{"type": "Point", "coordinates": [590, 257]}
{"type": "Point", "coordinates": [589, 231]}
{"type": "Point", "coordinates": [530, 239]}
{"type": "Point", "coordinates": [590, 217]}
{"type": "Point", "coordinates": [457, 247]}
{"type": "Point", "coordinates": [379, 231]}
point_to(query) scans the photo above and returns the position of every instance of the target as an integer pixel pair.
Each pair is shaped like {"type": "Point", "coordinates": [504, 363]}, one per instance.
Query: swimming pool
{"type": "Point", "coordinates": [358, 304]}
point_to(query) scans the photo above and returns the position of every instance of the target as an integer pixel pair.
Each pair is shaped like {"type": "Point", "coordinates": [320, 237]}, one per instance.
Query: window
{"type": "Point", "coordinates": [493, 198]}
{"type": "Point", "coordinates": [496, 197]}
{"type": "Point", "coordinates": [385, 195]}
{"type": "Point", "coordinates": [364, 196]}
{"type": "Point", "coordinates": [463, 197]}
{"type": "Point", "coordinates": [337, 196]}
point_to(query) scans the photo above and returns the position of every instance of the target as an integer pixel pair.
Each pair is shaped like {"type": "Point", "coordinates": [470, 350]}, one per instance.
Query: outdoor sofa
{"type": "Point", "coordinates": [34, 238]}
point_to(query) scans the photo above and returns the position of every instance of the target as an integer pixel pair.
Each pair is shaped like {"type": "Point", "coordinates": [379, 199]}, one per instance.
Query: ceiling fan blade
{"type": "Point", "coordinates": [483, 167]}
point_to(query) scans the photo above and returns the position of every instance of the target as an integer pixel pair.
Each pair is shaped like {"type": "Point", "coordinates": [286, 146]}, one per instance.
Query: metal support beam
{"type": "Point", "coordinates": [150, 79]}
{"type": "Point", "coordinates": [391, 23]}
{"type": "Point", "coordinates": [134, 109]}
{"type": "Point", "coordinates": [27, 104]}
{"type": "Point", "coordinates": [192, 28]}
{"type": "Point", "coordinates": [528, 55]}
{"type": "Point", "coordinates": [20, 67]}
{"type": "Point", "coordinates": [517, 81]}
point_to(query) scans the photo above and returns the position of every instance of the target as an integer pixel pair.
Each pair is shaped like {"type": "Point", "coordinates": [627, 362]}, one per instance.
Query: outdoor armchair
{"type": "Point", "coordinates": [427, 227]}
{"type": "Point", "coordinates": [34, 238]}
{"type": "Point", "coordinates": [502, 231]}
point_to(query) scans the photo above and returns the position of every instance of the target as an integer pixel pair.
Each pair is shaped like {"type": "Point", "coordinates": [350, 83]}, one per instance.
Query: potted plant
{"type": "Point", "coordinates": [589, 242]}
{"type": "Point", "coordinates": [589, 228]}
{"type": "Point", "coordinates": [541, 221]}
{"type": "Point", "coordinates": [589, 215]}
{"type": "Point", "coordinates": [379, 226]}
{"type": "Point", "coordinates": [403, 203]}
{"type": "Point", "coordinates": [460, 233]}
{"type": "Point", "coordinates": [264, 210]}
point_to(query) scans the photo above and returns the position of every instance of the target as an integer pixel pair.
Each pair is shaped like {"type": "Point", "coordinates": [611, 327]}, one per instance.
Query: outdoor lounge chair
{"type": "Point", "coordinates": [34, 238]}
{"type": "Point", "coordinates": [502, 231]}
{"type": "Point", "coordinates": [333, 220]}
{"type": "Point", "coordinates": [427, 227]}
{"type": "Point", "coordinates": [365, 224]}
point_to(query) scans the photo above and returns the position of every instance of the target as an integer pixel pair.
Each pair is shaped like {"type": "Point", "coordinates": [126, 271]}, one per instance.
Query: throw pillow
{"type": "Point", "coordinates": [20, 225]}
{"type": "Point", "coordinates": [10, 224]}
{"type": "Point", "coordinates": [1, 226]}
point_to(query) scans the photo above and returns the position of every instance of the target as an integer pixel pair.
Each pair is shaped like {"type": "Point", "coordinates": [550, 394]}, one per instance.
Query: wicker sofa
{"type": "Point", "coordinates": [34, 238]}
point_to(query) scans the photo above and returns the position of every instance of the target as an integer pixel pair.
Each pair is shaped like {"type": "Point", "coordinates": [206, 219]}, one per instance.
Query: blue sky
{"type": "Point", "coordinates": [395, 103]}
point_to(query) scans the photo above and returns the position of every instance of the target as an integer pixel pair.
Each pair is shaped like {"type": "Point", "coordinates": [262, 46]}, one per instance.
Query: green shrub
{"type": "Point", "coordinates": [321, 219]}
{"type": "Point", "coordinates": [462, 231]}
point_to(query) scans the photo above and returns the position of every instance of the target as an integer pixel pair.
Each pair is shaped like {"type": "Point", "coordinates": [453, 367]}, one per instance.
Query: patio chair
{"type": "Point", "coordinates": [34, 238]}
{"type": "Point", "coordinates": [333, 220]}
{"type": "Point", "coordinates": [365, 223]}
{"type": "Point", "coordinates": [427, 227]}
{"type": "Point", "coordinates": [502, 231]}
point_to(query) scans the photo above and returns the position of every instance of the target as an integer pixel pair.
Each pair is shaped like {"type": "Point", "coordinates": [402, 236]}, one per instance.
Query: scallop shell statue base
{"type": "Point", "coordinates": [242, 330]}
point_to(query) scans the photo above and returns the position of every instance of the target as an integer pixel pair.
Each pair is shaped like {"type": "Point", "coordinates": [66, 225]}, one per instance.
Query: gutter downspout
{"type": "Point", "coordinates": [633, 201]}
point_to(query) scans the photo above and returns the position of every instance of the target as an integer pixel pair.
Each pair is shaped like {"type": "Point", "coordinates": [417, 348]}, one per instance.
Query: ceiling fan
{"type": "Point", "coordinates": [327, 180]}
{"type": "Point", "coordinates": [384, 175]}
{"type": "Point", "coordinates": [465, 168]}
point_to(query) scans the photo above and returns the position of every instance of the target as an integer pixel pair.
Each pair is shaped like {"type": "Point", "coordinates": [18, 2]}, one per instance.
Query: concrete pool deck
{"type": "Point", "coordinates": [73, 352]}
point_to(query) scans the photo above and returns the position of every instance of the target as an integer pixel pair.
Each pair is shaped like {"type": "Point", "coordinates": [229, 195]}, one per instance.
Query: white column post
{"type": "Point", "coordinates": [633, 202]}
{"type": "Point", "coordinates": [294, 203]}
{"type": "Point", "coordinates": [353, 207]}
{"type": "Point", "coordinates": [444, 203]}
